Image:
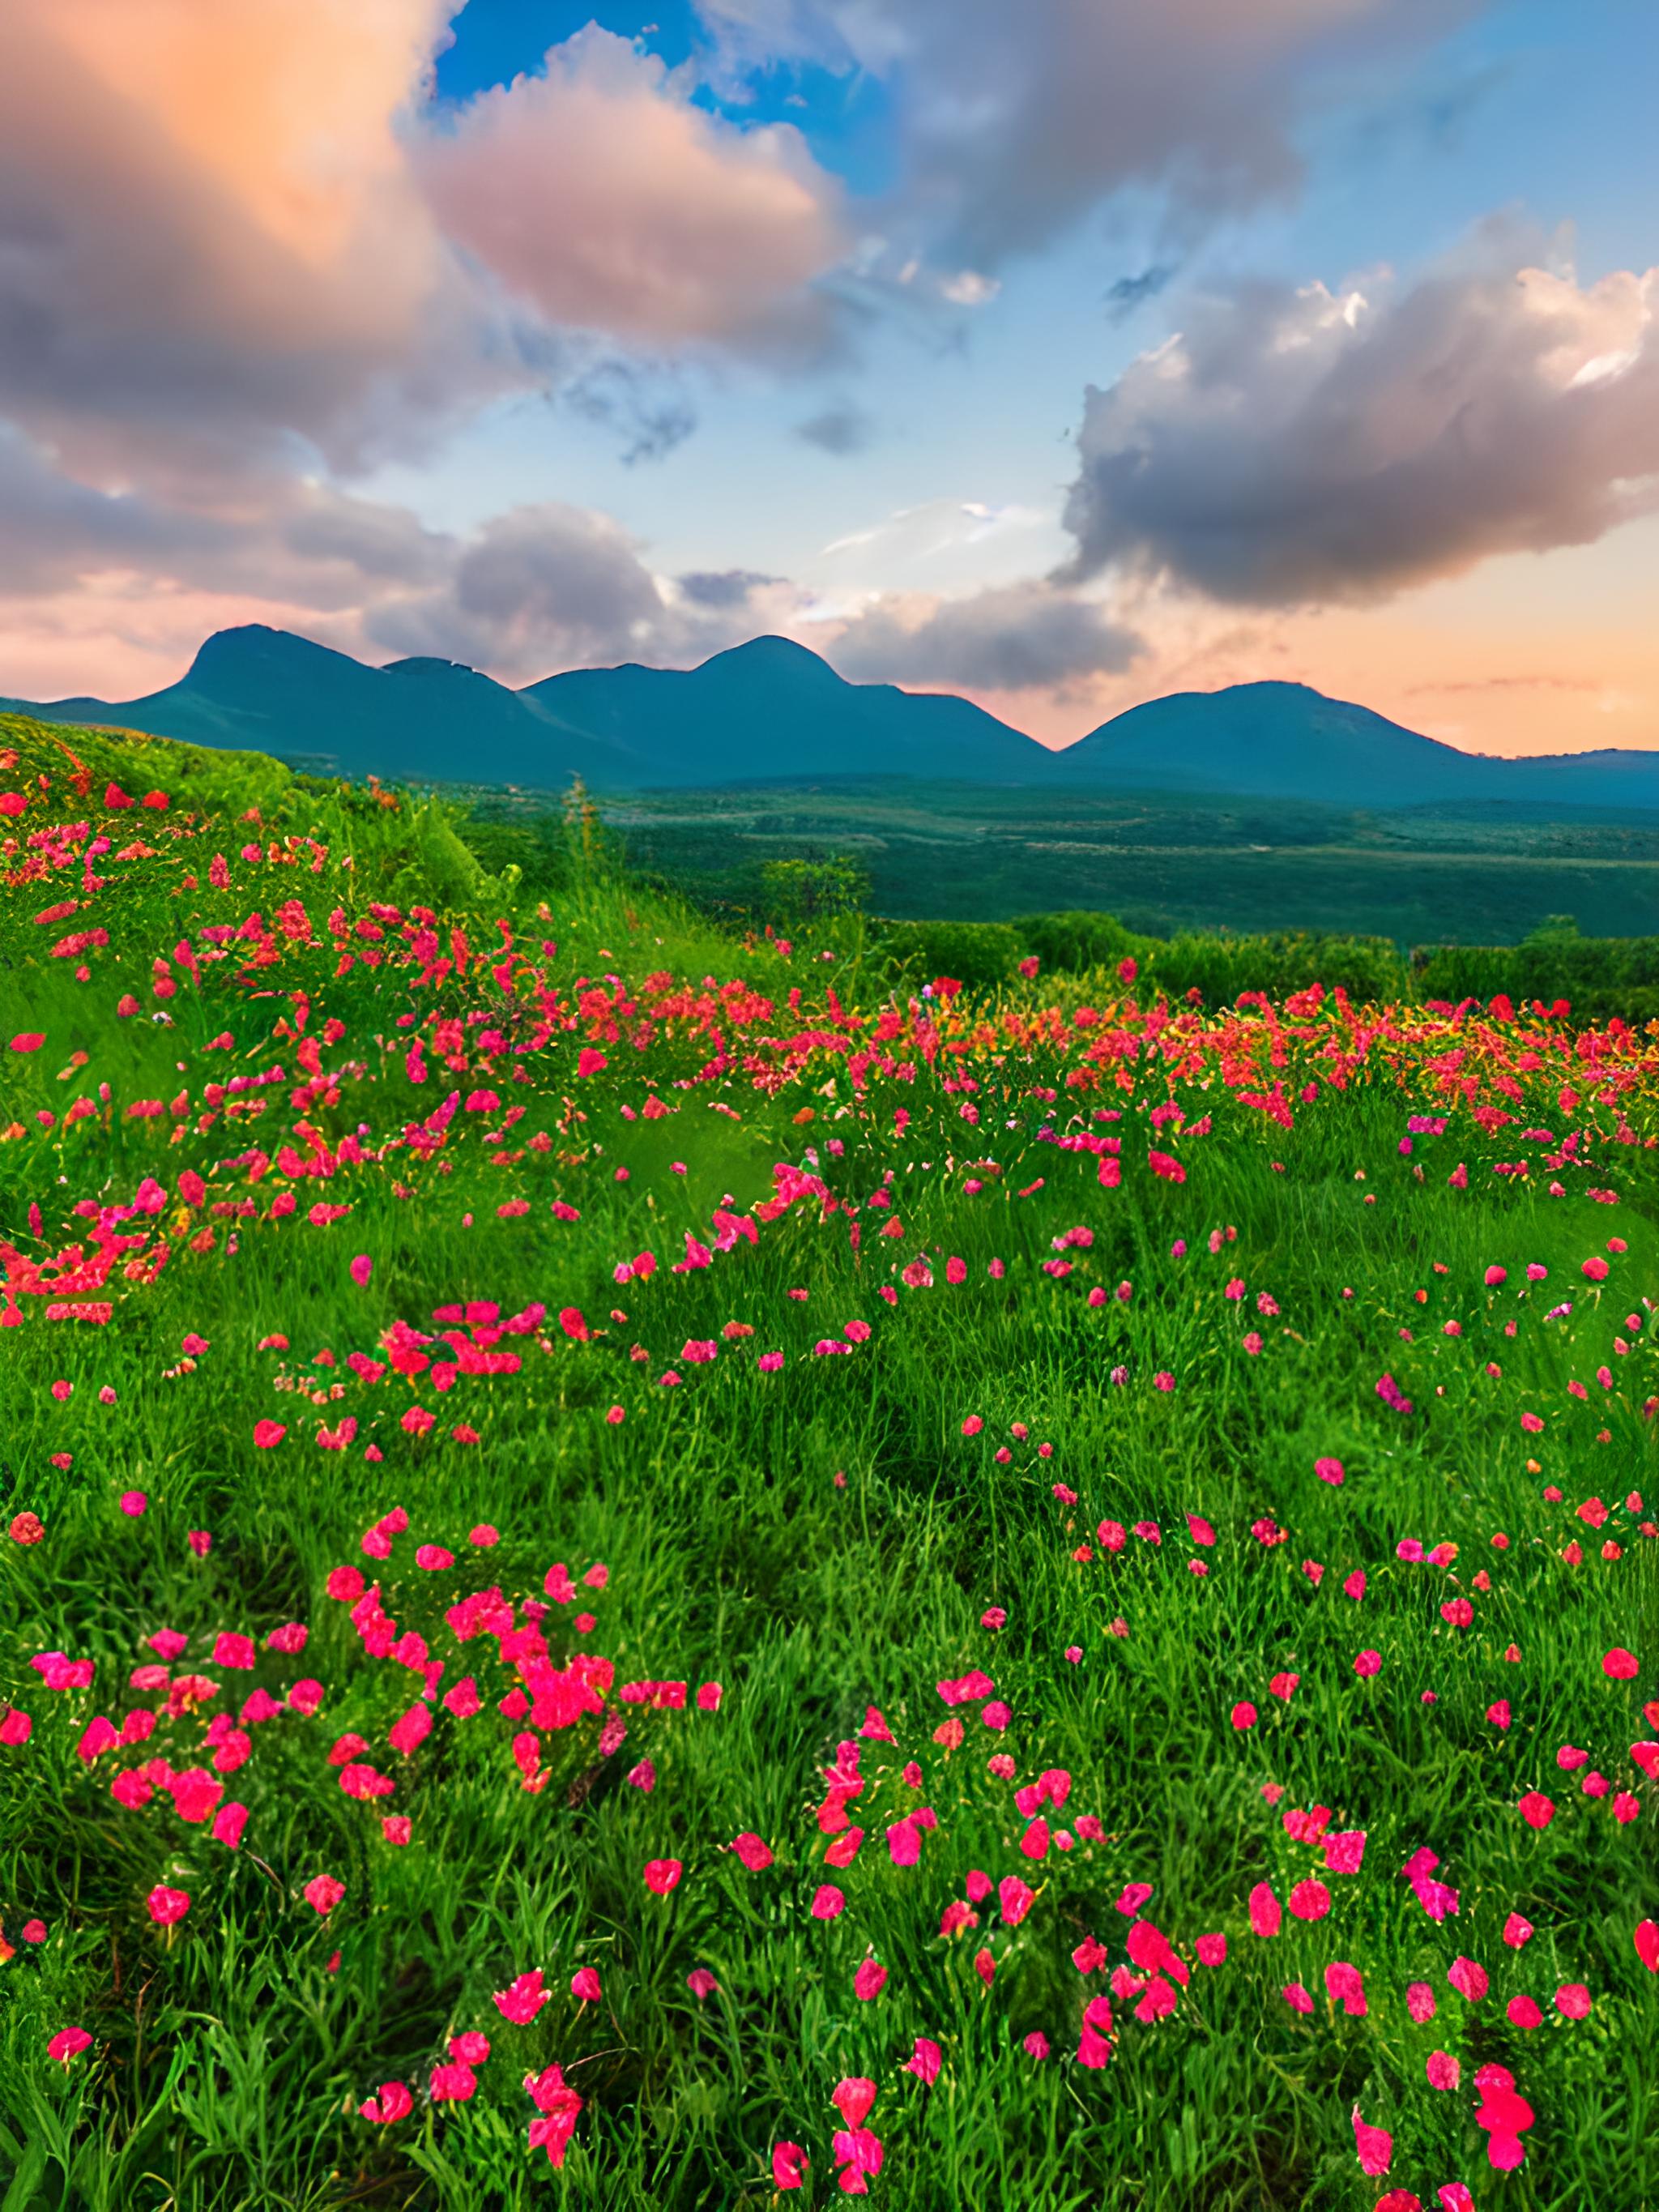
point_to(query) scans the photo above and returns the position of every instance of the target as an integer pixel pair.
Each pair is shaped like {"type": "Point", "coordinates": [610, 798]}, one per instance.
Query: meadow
{"type": "Point", "coordinates": [639, 1570]}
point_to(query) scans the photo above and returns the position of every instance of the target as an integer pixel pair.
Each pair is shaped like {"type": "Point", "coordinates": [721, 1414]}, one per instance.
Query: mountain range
{"type": "Point", "coordinates": [772, 711]}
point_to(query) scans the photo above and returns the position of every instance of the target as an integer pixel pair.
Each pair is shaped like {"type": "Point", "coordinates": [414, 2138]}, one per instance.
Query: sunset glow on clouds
{"type": "Point", "coordinates": [1061, 356]}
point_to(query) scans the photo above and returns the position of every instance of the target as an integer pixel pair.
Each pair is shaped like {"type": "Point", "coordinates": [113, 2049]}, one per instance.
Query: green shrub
{"type": "Point", "coordinates": [1079, 940]}
{"type": "Point", "coordinates": [1220, 967]}
{"type": "Point", "coordinates": [1599, 977]}
{"type": "Point", "coordinates": [978, 953]}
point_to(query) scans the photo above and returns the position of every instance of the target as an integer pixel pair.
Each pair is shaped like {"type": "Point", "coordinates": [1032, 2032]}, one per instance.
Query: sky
{"type": "Point", "coordinates": [1061, 353]}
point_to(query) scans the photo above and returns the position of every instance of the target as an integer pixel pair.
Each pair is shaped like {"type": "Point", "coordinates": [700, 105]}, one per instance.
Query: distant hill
{"type": "Point", "coordinates": [763, 712]}
{"type": "Point", "coordinates": [771, 711]}
{"type": "Point", "coordinates": [268, 691]}
{"type": "Point", "coordinates": [1289, 741]}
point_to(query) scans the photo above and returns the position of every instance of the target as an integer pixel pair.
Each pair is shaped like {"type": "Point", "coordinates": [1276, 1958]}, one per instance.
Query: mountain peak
{"type": "Point", "coordinates": [258, 643]}
{"type": "Point", "coordinates": [772, 655]}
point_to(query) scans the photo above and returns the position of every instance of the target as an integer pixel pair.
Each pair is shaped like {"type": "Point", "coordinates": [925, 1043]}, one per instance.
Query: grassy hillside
{"type": "Point", "coordinates": [636, 1573]}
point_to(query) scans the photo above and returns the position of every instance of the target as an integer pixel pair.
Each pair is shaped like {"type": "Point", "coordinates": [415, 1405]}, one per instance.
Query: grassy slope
{"type": "Point", "coordinates": [228, 2061]}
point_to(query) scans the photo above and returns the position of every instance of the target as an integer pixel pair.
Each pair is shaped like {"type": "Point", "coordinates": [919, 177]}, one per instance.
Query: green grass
{"type": "Point", "coordinates": [816, 1540]}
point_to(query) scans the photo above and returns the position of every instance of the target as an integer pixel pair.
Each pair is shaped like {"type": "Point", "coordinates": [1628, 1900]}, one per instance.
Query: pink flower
{"type": "Point", "coordinates": [1468, 1979]}
{"type": "Point", "coordinates": [323, 1892]}
{"type": "Point", "coordinates": [1621, 1666]}
{"type": "Point", "coordinates": [522, 1998]}
{"type": "Point", "coordinates": [1444, 2070]}
{"type": "Point", "coordinates": [65, 2044]}
{"type": "Point", "coordinates": [1345, 1985]}
{"type": "Point", "coordinates": [869, 1981]}
{"type": "Point", "coordinates": [133, 1502]}
{"type": "Point", "coordinates": [787, 2161]}
{"type": "Point", "coordinates": [1265, 1913]}
{"type": "Point", "coordinates": [1212, 1950]}
{"type": "Point", "coordinates": [924, 2060]}
{"type": "Point", "coordinates": [1310, 1900]}
{"type": "Point", "coordinates": [1375, 2145]}
{"type": "Point", "coordinates": [393, 2103]}
{"type": "Point", "coordinates": [853, 2097]}
{"type": "Point", "coordinates": [229, 1823]}
{"type": "Point", "coordinates": [755, 1853]}
{"type": "Point", "coordinates": [1535, 1809]}
{"type": "Point", "coordinates": [557, 2110]}
{"type": "Point", "coordinates": [585, 1985]}
{"type": "Point", "coordinates": [266, 1434]}
{"type": "Point", "coordinates": [166, 1906]}
{"type": "Point", "coordinates": [827, 1902]}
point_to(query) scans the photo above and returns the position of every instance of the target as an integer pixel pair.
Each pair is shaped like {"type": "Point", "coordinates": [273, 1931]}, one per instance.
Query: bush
{"type": "Point", "coordinates": [1599, 977]}
{"type": "Point", "coordinates": [1220, 967]}
{"type": "Point", "coordinates": [1079, 940]}
{"type": "Point", "coordinates": [802, 894]}
{"type": "Point", "coordinates": [978, 953]}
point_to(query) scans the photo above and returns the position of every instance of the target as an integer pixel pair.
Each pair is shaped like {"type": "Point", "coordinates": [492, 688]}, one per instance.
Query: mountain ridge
{"type": "Point", "coordinates": [770, 710]}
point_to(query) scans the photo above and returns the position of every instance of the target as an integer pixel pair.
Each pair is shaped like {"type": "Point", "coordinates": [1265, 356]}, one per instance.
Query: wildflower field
{"type": "Point", "coordinates": [641, 1574]}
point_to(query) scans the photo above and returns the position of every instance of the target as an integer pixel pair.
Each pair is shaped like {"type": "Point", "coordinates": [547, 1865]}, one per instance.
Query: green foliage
{"type": "Point", "coordinates": [804, 894]}
{"type": "Point", "coordinates": [1220, 967]}
{"type": "Point", "coordinates": [1075, 942]}
{"type": "Point", "coordinates": [1599, 977]}
{"type": "Point", "coordinates": [980, 954]}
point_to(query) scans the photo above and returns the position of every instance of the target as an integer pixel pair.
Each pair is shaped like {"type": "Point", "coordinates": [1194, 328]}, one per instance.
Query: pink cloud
{"type": "Point", "coordinates": [598, 192]}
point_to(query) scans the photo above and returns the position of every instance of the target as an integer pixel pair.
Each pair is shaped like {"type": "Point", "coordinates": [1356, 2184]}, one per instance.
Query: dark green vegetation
{"type": "Point", "coordinates": [311, 1220]}
{"type": "Point", "coordinates": [1163, 866]}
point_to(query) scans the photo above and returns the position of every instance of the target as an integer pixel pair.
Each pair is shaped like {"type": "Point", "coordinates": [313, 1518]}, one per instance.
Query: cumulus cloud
{"type": "Point", "coordinates": [229, 225]}
{"type": "Point", "coordinates": [599, 193]}
{"type": "Point", "coordinates": [1015, 637]}
{"type": "Point", "coordinates": [208, 237]}
{"type": "Point", "coordinates": [297, 543]}
{"type": "Point", "coordinates": [1014, 121]}
{"type": "Point", "coordinates": [1306, 447]}
{"type": "Point", "coordinates": [549, 583]}
{"type": "Point", "coordinates": [551, 586]}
